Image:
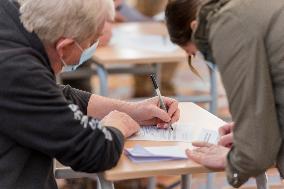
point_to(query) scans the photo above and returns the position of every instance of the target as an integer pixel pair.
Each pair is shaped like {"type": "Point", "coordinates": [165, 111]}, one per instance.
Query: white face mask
{"type": "Point", "coordinates": [86, 55]}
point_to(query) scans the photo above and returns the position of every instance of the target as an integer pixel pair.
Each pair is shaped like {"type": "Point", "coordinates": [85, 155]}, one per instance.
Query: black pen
{"type": "Point", "coordinates": [158, 92]}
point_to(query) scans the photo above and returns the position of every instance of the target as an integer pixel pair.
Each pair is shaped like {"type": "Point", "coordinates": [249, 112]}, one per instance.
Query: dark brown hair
{"type": "Point", "coordinates": [179, 15]}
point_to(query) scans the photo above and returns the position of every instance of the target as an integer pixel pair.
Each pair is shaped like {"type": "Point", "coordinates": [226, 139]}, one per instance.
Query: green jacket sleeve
{"type": "Point", "coordinates": [240, 54]}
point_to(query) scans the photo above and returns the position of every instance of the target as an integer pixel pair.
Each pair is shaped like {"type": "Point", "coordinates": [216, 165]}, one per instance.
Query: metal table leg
{"type": "Point", "coordinates": [151, 183]}
{"type": "Point", "coordinates": [210, 181]}
{"type": "Point", "coordinates": [104, 183]}
{"type": "Point", "coordinates": [213, 109]}
{"type": "Point", "coordinates": [185, 181]}
{"type": "Point", "coordinates": [102, 74]}
{"type": "Point", "coordinates": [213, 88]}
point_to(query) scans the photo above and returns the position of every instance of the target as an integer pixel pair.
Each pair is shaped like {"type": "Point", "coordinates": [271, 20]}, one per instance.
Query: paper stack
{"type": "Point", "coordinates": [140, 154]}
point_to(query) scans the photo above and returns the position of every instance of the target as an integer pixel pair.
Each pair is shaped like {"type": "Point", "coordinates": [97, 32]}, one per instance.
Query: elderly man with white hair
{"type": "Point", "coordinates": [41, 120]}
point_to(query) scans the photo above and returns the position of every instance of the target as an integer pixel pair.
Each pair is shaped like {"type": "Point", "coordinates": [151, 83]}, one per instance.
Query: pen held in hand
{"type": "Point", "coordinates": [158, 92]}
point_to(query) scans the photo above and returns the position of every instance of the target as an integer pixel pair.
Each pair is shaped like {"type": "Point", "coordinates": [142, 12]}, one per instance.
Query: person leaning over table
{"type": "Point", "coordinates": [245, 39]}
{"type": "Point", "coordinates": [41, 120]}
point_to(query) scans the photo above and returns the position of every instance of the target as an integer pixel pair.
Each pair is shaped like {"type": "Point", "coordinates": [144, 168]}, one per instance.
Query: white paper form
{"type": "Point", "coordinates": [181, 133]}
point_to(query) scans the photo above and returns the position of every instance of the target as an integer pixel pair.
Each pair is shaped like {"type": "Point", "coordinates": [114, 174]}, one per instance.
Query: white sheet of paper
{"type": "Point", "coordinates": [167, 151]}
{"type": "Point", "coordinates": [181, 133]}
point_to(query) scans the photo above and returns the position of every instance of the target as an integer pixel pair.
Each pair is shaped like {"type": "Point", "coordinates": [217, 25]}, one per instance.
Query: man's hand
{"type": "Point", "coordinates": [148, 112]}
{"type": "Point", "coordinates": [121, 121]}
{"type": "Point", "coordinates": [209, 155]}
{"type": "Point", "coordinates": [226, 135]}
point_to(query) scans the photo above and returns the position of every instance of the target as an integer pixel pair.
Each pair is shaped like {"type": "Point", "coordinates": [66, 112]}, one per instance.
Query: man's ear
{"type": "Point", "coordinates": [193, 25]}
{"type": "Point", "coordinates": [63, 44]}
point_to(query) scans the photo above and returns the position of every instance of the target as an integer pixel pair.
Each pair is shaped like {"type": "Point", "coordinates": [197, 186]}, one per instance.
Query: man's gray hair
{"type": "Point", "coordinates": [77, 19]}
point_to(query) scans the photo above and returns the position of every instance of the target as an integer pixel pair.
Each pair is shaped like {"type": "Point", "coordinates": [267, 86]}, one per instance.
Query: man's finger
{"type": "Point", "coordinates": [226, 140]}
{"type": "Point", "coordinates": [176, 116]}
{"type": "Point", "coordinates": [160, 114]}
{"type": "Point", "coordinates": [201, 144]}
{"type": "Point", "coordinates": [162, 125]}
{"type": "Point", "coordinates": [173, 107]}
{"type": "Point", "coordinates": [169, 101]}
{"type": "Point", "coordinates": [226, 129]}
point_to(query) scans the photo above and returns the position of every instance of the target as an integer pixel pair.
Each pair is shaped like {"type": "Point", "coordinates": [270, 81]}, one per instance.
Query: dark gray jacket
{"type": "Point", "coordinates": [40, 120]}
{"type": "Point", "coordinates": [245, 38]}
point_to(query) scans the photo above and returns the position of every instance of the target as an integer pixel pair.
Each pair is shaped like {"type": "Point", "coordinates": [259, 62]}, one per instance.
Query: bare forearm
{"type": "Point", "coordinates": [100, 106]}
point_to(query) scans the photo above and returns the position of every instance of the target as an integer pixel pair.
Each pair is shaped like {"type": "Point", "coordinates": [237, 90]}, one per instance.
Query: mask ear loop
{"type": "Point", "coordinates": [79, 46]}
{"type": "Point", "coordinates": [62, 61]}
{"type": "Point", "coordinates": [192, 68]}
